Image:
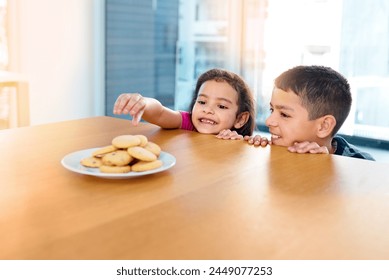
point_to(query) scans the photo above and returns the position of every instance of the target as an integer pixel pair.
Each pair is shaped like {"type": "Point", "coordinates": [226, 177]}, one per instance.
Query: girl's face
{"type": "Point", "coordinates": [215, 108]}
{"type": "Point", "coordinates": [288, 122]}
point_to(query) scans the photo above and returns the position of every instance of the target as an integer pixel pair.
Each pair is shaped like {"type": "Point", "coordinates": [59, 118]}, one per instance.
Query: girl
{"type": "Point", "coordinates": [221, 101]}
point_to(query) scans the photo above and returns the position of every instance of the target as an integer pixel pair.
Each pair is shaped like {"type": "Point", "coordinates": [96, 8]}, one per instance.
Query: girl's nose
{"type": "Point", "coordinates": [208, 109]}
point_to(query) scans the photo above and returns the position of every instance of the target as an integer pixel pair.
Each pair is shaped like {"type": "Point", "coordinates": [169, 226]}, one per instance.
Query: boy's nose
{"type": "Point", "coordinates": [270, 121]}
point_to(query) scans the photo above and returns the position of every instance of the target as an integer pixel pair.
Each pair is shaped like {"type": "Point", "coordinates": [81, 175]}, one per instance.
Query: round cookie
{"type": "Point", "coordinates": [154, 148]}
{"type": "Point", "coordinates": [125, 141]}
{"type": "Point", "coordinates": [117, 158]}
{"type": "Point", "coordinates": [146, 165]}
{"type": "Point", "coordinates": [104, 150]}
{"type": "Point", "coordinates": [141, 153]}
{"type": "Point", "coordinates": [91, 162]}
{"type": "Point", "coordinates": [115, 169]}
{"type": "Point", "coordinates": [143, 140]}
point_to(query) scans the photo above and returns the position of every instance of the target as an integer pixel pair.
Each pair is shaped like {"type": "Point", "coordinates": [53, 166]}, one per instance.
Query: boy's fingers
{"type": "Point", "coordinates": [319, 150]}
{"type": "Point", "coordinates": [261, 141]}
{"type": "Point", "coordinates": [264, 142]}
{"type": "Point", "coordinates": [308, 147]}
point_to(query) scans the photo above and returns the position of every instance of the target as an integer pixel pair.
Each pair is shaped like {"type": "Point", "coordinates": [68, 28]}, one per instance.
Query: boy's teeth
{"type": "Point", "coordinates": [275, 136]}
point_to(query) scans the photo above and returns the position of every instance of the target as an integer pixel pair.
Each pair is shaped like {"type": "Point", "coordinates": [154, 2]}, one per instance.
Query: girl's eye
{"type": "Point", "coordinates": [223, 107]}
{"type": "Point", "coordinates": [271, 110]}
{"type": "Point", "coordinates": [201, 102]}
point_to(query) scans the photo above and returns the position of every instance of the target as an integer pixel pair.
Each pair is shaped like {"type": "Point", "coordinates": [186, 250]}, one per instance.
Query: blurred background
{"type": "Point", "coordinates": [70, 59]}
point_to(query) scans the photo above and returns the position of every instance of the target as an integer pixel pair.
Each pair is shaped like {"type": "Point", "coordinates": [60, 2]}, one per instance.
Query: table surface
{"type": "Point", "coordinates": [222, 200]}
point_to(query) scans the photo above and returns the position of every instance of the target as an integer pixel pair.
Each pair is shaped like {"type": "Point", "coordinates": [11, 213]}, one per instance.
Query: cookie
{"type": "Point", "coordinates": [154, 148]}
{"type": "Point", "coordinates": [91, 162]}
{"type": "Point", "coordinates": [117, 158]}
{"type": "Point", "coordinates": [143, 140]}
{"type": "Point", "coordinates": [146, 165]}
{"type": "Point", "coordinates": [104, 150]}
{"type": "Point", "coordinates": [141, 153]}
{"type": "Point", "coordinates": [125, 141]}
{"type": "Point", "coordinates": [125, 154]}
{"type": "Point", "coordinates": [115, 169]}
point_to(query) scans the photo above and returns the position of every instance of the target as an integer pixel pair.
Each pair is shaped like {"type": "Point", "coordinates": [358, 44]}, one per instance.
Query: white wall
{"type": "Point", "coordinates": [58, 46]}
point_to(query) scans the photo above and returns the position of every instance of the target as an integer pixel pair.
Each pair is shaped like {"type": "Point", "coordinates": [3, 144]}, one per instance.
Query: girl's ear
{"type": "Point", "coordinates": [326, 125]}
{"type": "Point", "coordinates": [241, 120]}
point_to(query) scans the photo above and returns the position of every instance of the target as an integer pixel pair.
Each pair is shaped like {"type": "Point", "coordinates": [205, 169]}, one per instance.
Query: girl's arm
{"type": "Point", "coordinates": [150, 109]}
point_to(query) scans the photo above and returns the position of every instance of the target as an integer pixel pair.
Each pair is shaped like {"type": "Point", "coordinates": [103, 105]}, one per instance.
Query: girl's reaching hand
{"type": "Point", "coordinates": [257, 140]}
{"type": "Point", "coordinates": [130, 103]}
{"type": "Point", "coordinates": [227, 134]}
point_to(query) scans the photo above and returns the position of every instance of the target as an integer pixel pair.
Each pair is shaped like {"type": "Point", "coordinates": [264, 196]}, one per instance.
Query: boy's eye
{"type": "Point", "coordinates": [284, 115]}
{"type": "Point", "coordinates": [201, 102]}
{"type": "Point", "coordinates": [223, 107]}
{"type": "Point", "coordinates": [271, 110]}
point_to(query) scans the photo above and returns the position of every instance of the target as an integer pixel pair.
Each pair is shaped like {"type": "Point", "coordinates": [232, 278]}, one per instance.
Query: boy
{"type": "Point", "coordinates": [309, 104]}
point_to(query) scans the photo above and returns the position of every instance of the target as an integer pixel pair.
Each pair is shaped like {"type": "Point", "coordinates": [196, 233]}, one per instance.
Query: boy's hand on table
{"type": "Point", "coordinates": [308, 147]}
{"type": "Point", "coordinates": [257, 140]}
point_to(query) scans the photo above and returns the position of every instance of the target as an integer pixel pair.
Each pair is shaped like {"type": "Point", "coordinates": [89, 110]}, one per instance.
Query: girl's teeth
{"type": "Point", "coordinates": [207, 121]}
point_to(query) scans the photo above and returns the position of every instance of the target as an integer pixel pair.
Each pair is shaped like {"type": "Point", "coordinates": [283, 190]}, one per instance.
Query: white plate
{"type": "Point", "coordinates": [72, 162]}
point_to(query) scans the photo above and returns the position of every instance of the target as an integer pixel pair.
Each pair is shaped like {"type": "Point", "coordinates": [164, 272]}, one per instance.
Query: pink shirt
{"type": "Point", "coordinates": [186, 121]}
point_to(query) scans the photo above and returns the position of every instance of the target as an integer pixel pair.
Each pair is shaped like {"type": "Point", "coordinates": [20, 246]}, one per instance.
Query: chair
{"type": "Point", "coordinates": [14, 100]}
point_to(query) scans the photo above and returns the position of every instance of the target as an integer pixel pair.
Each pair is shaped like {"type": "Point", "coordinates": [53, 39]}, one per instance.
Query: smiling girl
{"type": "Point", "coordinates": [221, 101]}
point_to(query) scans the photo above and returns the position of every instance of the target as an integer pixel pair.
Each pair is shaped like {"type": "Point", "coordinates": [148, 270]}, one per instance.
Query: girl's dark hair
{"type": "Point", "coordinates": [245, 97]}
{"type": "Point", "coordinates": [322, 90]}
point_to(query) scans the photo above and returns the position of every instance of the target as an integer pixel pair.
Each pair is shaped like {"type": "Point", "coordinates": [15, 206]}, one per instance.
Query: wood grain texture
{"type": "Point", "coordinates": [222, 200]}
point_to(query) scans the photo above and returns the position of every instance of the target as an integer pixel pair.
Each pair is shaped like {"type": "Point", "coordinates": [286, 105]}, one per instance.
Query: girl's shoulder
{"type": "Point", "coordinates": [186, 123]}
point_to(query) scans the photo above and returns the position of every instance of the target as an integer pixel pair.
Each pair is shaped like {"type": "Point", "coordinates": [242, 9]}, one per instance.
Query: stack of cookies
{"type": "Point", "coordinates": [127, 153]}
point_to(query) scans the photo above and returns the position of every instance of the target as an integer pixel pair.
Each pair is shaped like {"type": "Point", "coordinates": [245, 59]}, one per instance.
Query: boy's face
{"type": "Point", "coordinates": [288, 122]}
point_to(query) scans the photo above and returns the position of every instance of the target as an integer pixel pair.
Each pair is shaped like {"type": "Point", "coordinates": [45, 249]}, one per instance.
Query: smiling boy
{"type": "Point", "coordinates": [308, 106]}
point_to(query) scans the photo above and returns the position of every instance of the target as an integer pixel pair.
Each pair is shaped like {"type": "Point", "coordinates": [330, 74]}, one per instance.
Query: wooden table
{"type": "Point", "coordinates": [222, 200]}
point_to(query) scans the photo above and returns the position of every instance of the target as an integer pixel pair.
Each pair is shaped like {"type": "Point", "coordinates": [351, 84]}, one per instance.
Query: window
{"type": "Point", "coordinates": [140, 49]}
{"type": "Point", "coordinates": [258, 39]}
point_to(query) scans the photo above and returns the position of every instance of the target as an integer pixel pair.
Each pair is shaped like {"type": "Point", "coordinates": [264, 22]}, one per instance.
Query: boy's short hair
{"type": "Point", "coordinates": [322, 91]}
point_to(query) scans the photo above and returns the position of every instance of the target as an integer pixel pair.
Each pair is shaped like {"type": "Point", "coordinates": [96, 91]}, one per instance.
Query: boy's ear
{"type": "Point", "coordinates": [241, 120]}
{"type": "Point", "coordinates": [326, 125]}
